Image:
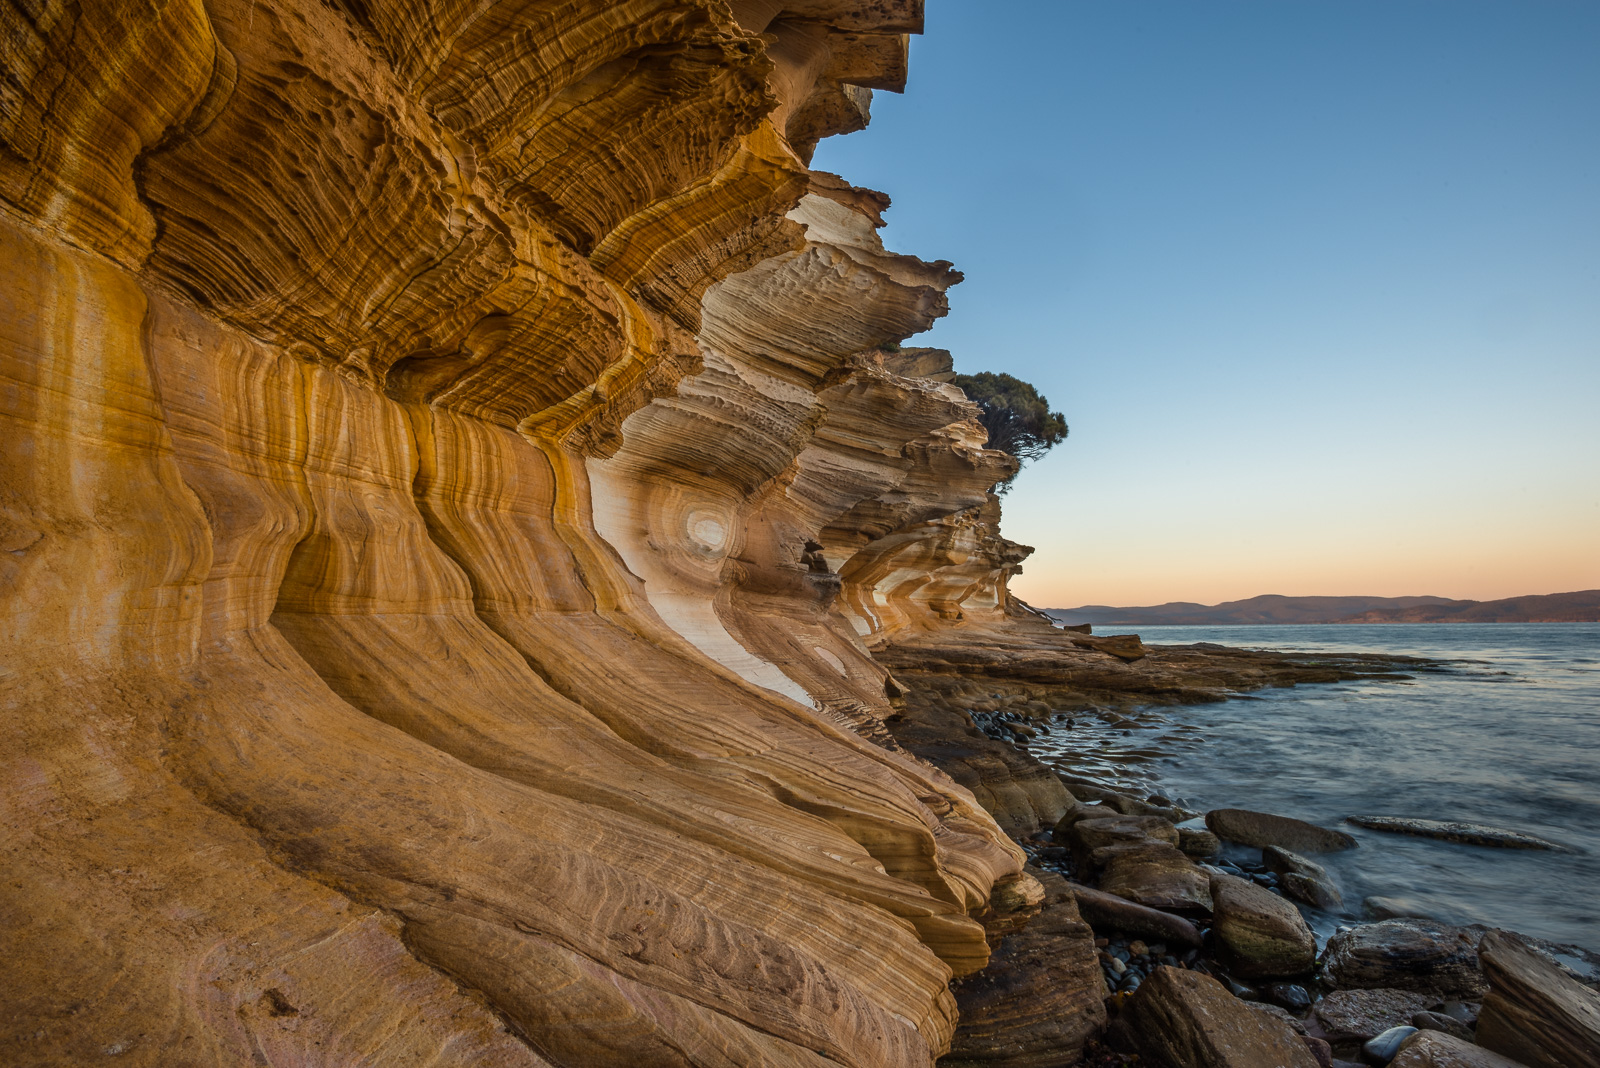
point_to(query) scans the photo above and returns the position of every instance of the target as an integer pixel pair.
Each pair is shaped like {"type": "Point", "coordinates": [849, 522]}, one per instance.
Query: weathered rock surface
{"type": "Point", "coordinates": [1188, 1020]}
{"type": "Point", "coordinates": [1040, 996]}
{"type": "Point", "coordinates": [1535, 1012]}
{"type": "Point", "coordinates": [1154, 873]}
{"type": "Point", "coordinates": [1259, 933]}
{"type": "Point", "coordinates": [1357, 1015]}
{"type": "Point", "coordinates": [1434, 1049]}
{"type": "Point", "coordinates": [1262, 829]}
{"type": "Point", "coordinates": [1452, 831]}
{"type": "Point", "coordinates": [1405, 954]}
{"type": "Point", "coordinates": [432, 442]}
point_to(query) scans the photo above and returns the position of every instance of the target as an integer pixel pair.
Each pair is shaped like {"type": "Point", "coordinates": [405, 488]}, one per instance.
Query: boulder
{"type": "Point", "coordinates": [1110, 912]}
{"type": "Point", "coordinates": [1091, 834]}
{"type": "Point", "coordinates": [1452, 831]}
{"type": "Point", "coordinates": [1154, 874]}
{"type": "Point", "coordinates": [1383, 1048]}
{"type": "Point", "coordinates": [1535, 1011]}
{"type": "Point", "coordinates": [1405, 954]}
{"type": "Point", "coordinates": [1197, 843]}
{"type": "Point", "coordinates": [1126, 647]}
{"type": "Point", "coordinates": [1357, 1015]}
{"type": "Point", "coordinates": [1259, 934]}
{"type": "Point", "coordinates": [1040, 993]}
{"type": "Point", "coordinates": [1302, 879]}
{"type": "Point", "coordinates": [1435, 1049]}
{"type": "Point", "coordinates": [1262, 829]}
{"type": "Point", "coordinates": [1186, 1019]}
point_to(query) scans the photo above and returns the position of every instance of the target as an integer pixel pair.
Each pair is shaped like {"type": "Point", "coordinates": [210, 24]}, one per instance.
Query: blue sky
{"type": "Point", "coordinates": [1317, 285]}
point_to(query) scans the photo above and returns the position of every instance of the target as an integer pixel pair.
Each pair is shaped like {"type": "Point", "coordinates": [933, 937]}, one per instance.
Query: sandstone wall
{"type": "Point", "coordinates": [448, 485]}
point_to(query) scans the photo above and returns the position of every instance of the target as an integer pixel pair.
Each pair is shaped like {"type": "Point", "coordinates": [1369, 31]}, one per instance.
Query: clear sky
{"type": "Point", "coordinates": [1316, 284]}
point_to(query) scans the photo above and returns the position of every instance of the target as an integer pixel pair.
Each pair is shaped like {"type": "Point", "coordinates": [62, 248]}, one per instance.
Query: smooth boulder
{"type": "Point", "coordinates": [1302, 879]}
{"type": "Point", "coordinates": [1109, 912]}
{"type": "Point", "coordinates": [1535, 1012]}
{"type": "Point", "coordinates": [1383, 1048]}
{"type": "Point", "coordinates": [1188, 1020]}
{"type": "Point", "coordinates": [1262, 829]}
{"type": "Point", "coordinates": [1405, 954]}
{"type": "Point", "coordinates": [1435, 1049]}
{"type": "Point", "coordinates": [1259, 934]}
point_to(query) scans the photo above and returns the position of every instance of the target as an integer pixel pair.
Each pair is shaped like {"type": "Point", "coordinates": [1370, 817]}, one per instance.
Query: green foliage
{"type": "Point", "coordinates": [1018, 419]}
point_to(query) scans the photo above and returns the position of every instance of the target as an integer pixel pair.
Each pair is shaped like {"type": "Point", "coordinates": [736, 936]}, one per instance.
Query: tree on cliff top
{"type": "Point", "coordinates": [1018, 418]}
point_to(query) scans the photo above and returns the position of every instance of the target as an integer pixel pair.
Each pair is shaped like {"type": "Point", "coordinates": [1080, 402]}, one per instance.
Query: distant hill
{"type": "Point", "coordinates": [1578, 607]}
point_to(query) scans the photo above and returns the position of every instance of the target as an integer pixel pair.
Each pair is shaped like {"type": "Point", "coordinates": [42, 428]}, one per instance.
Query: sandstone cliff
{"type": "Point", "coordinates": [450, 486]}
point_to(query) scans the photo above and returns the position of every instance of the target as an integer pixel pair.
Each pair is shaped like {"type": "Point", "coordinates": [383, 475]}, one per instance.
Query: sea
{"type": "Point", "coordinates": [1505, 732]}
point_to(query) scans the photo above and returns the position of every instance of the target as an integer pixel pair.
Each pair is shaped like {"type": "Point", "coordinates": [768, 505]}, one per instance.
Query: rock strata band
{"type": "Point", "coordinates": [482, 584]}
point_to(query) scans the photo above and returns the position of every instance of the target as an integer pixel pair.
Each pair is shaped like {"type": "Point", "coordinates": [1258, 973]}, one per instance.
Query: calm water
{"type": "Point", "coordinates": [1512, 740]}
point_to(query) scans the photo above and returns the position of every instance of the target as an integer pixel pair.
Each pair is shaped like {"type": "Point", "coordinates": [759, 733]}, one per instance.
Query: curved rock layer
{"type": "Point", "coordinates": [450, 478]}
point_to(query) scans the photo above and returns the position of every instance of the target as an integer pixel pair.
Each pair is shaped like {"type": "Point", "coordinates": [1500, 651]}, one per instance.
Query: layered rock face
{"type": "Point", "coordinates": [450, 481]}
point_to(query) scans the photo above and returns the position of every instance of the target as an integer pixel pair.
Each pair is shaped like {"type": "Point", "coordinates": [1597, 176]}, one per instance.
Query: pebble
{"type": "Point", "coordinates": [1138, 948]}
{"type": "Point", "coordinates": [1381, 1049]}
{"type": "Point", "coordinates": [1117, 966]}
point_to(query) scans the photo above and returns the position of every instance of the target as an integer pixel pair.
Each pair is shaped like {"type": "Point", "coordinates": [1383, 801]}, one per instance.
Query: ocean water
{"type": "Point", "coordinates": [1507, 734]}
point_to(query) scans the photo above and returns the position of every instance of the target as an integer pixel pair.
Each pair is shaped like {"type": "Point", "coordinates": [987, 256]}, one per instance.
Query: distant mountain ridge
{"type": "Point", "coordinates": [1582, 606]}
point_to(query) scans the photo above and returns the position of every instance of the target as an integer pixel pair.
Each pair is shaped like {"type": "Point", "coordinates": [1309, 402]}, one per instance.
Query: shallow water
{"type": "Point", "coordinates": [1510, 739]}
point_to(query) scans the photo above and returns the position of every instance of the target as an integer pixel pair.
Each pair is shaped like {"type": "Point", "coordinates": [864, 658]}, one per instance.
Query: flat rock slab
{"type": "Point", "coordinates": [1108, 911]}
{"type": "Point", "coordinates": [1125, 647]}
{"type": "Point", "coordinates": [1357, 1015]}
{"type": "Point", "coordinates": [1535, 1012]}
{"type": "Point", "coordinates": [1405, 954]}
{"type": "Point", "coordinates": [1435, 1049]}
{"type": "Point", "coordinates": [1188, 1020]}
{"type": "Point", "coordinates": [1154, 874]}
{"type": "Point", "coordinates": [1261, 934]}
{"type": "Point", "coordinates": [1450, 831]}
{"type": "Point", "coordinates": [1262, 829]}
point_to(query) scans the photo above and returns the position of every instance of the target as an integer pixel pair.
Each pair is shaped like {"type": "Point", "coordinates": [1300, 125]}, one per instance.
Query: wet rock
{"type": "Point", "coordinates": [1405, 954]}
{"type": "Point", "coordinates": [1452, 831]}
{"type": "Point", "coordinates": [1535, 1011]}
{"type": "Point", "coordinates": [1302, 879]}
{"type": "Point", "coordinates": [1435, 1049]}
{"type": "Point", "coordinates": [1076, 810]}
{"type": "Point", "coordinates": [1438, 1021]}
{"type": "Point", "coordinates": [1188, 1020]}
{"type": "Point", "coordinates": [1198, 843]}
{"type": "Point", "coordinates": [1260, 934]}
{"type": "Point", "coordinates": [1091, 834]}
{"type": "Point", "coordinates": [1383, 1048]}
{"type": "Point", "coordinates": [1262, 829]}
{"type": "Point", "coordinates": [1357, 1015]}
{"type": "Point", "coordinates": [1154, 874]}
{"type": "Point", "coordinates": [1291, 996]}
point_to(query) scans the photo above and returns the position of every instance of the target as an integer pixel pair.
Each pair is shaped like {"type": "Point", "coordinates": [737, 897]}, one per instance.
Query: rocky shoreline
{"type": "Point", "coordinates": [1196, 925]}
